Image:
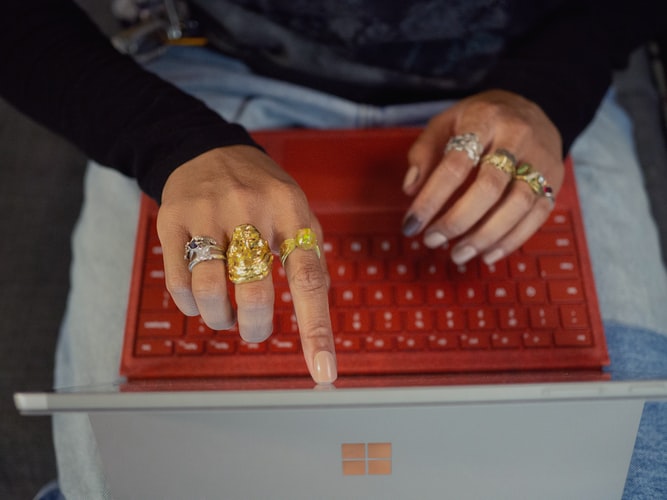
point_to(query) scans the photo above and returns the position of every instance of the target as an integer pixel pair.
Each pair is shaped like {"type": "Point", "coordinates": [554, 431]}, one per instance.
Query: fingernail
{"type": "Point", "coordinates": [435, 240]}
{"type": "Point", "coordinates": [411, 177]}
{"type": "Point", "coordinates": [461, 255]}
{"type": "Point", "coordinates": [411, 226]}
{"type": "Point", "coordinates": [493, 257]}
{"type": "Point", "coordinates": [325, 368]}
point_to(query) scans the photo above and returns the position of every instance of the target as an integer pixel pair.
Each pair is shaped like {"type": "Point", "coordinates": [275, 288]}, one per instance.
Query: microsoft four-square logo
{"type": "Point", "coordinates": [361, 459]}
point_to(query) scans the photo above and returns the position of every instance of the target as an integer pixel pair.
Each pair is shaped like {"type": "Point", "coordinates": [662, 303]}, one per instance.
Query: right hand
{"type": "Point", "coordinates": [209, 196]}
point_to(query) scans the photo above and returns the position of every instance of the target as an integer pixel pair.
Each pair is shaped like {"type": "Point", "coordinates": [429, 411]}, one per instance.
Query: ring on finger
{"type": "Point", "coordinates": [537, 182]}
{"type": "Point", "coordinates": [305, 239]}
{"type": "Point", "coordinates": [503, 160]}
{"type": "Point", "coordinates": [249, 257]}
{"type": "Point", "coordinates": [467, 143]}
{"type": "Point", "coordinates": [201, 249]}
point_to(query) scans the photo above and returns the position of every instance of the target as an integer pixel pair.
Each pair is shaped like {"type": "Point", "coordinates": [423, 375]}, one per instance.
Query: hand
{"type": "Point", "coordinates": [209, 196]}
{"type": "Point", "coordinates": [494, 214]}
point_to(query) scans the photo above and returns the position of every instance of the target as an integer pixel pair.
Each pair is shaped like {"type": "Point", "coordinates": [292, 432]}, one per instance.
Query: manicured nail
{"type": "Point", "coordinates": [461, 255]}
{"type": "Point", "coordinates": [411, 177]}
{"type": "Point", "coordinates": [435, 240]}
{"type": "Point", "coordinates": [493, 256]}
{"type": "Point", "coordinates": [411, 226]}
{"type": "Point", "coordinates": [325, 368]}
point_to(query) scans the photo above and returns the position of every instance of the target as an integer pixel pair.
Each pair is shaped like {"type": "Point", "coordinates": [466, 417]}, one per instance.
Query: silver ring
{"type": "Point", "coordinates": [466, 143]}
{"type": "Point", "coordinates": [202, 248]}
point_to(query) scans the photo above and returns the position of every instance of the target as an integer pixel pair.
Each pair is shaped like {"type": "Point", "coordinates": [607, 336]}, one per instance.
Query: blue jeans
{"type": "Point", "coordinates": [632, 282]}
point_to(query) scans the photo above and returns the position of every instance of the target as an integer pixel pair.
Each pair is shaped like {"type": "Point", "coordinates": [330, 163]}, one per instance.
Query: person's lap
{"type": "Point", "coordinates": [622, 240]}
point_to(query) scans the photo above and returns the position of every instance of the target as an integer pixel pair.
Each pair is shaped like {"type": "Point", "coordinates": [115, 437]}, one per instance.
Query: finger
{"type": "Point", "coordinates": [176, 275]}
{"type": "Point", "coordinates": [209, 288]}
{"type": "Point", "coordinates": [254, 304]}
{"type": "Point", "coordinates": [486, 190]}
{"type": "Point", "coordinates": [426, 152]}
{"type": "Point", "coordinates": [308, 282]}
{"type": "Point", "coordinates": [521, 232]}
{"type": "Point", "coordinates": [520, 203]}
{"type": "Point", "coordinates": [444, 180]}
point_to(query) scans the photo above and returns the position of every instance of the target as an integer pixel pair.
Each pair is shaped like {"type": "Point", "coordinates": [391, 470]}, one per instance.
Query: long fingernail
{"type": "Point", "coordinates": [325, 368]}
{"type": "Point", "coordinates": [411, 226]}
{"type": "Point", "coordinates": [411, 177]}
{"type": "Point", "coordinates": [461, 255]}
{"type": "Point", "coordinates": [493, 256]}
{"type": "Point", "coordinates": [435, 240]}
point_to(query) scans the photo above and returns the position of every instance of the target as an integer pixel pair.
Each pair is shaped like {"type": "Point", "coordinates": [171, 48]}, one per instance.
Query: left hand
{"type": "Point", "coordinates": [494, 214]}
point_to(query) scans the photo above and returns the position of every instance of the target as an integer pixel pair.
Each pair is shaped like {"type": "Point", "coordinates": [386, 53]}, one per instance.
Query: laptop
{"type": "Point", "coordinates": [503, 395]}
{"type": "Point", "coordinates": [397, 306]}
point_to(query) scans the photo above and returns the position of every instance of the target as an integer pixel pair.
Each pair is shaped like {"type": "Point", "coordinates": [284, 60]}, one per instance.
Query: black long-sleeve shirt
{"type": "Point", "coordinates": [56, 67]}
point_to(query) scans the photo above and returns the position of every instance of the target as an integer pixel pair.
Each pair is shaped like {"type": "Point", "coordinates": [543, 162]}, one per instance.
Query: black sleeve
{"type": "Point", "coordinates": [566, 63]}
{"type": "Point", "coordinates": [59, 69]}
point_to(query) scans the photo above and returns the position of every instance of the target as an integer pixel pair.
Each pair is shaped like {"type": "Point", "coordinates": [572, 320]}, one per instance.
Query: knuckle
{"type": "Point", "coordinates": [522, 198]}
{"type": "Point", "coordinates": [206, 287]}
{"type": "Point", "coordinates": [492, 183]}
{"type": "Point", "coordinates": [455, 169]}
{"type": "Point", "coordinates": [254, 296]}
{"type": "Point", "coordinates": [308, 277]}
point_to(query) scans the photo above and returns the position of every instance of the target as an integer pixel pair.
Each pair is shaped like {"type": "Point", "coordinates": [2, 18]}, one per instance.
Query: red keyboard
{"type": "Point", "coordinates": [396, 307]}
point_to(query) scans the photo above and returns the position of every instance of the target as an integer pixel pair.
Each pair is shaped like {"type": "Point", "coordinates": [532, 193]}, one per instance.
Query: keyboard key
{"type": "Point", "coordinates": [477, 340]}
{"type": "Point", "coordinates": [442, 294]}
{"type": "Point", "coordinates": [537, 339]}
{"type": "Point", "coordinates": [409, 295]}
{"type": "Point", "coordinates": [532, 292]}
{"type": "Point", "coordinates": [562, 266]}
{"type": "Point", "coordinates": [371, 270]}
{"type": "Point", "coordinates": [195, 327]}
{"type": "Point", "coordinates": [252, 347]}
{"type": "Point", "coordinates": [347, 296]}
{"type": "Point", "coordinates": [215, 346]}
{"type": "Point", "coordinates": [189, 347]}
{"type": "Point", "coordinates": [550, 242]}
{"type": "Point", "coordinates": [481, 318]}
{"type": "Point", "coordinates": [355, 247]}
{"type": "Point", "coordinates": [512, 318]}
{"type": "Point", "coordinates": [379, 295]}
{"type": "Point", "coordinates": [522, 266]}
{"type": "Point", "coordinates": [154, 347]}
{"type": "Point", "coordinates": [574, 316]}
{"type": "Point", "coordinates": [502, 293]}
{"type": "Point", "coordinates": [157, 299]}
{"type": "Point", "coordinates": [387, 321]}
{"type": "Point", "coordinates": [385, 247]}
{"type": "Point", "coordinates": [573, 339]}
{"type": "Point", "coordinates": [442, 341]}
{"type": "Point", "coordinates": [450, 318]}
{"type": "Point", "coordinates": [402, 270]}
{"type": "Point", "coordinates": [544, 317]}
{"type": "Point", "coordinates": [342, 271]}
{"type": "Point", "coordinates": [356, 321]}
{"type": "Point", "coordinates": [418, 320]}
{"type": "Point", "coordinates": [470, 293]}
{"type": "Point", "coordinates": [506, 340]}
{"type": "Point", "coordinates": [497, 270]}
{"type": "Point", "coordinates": [410, 342]}
{"type": "Point", "coordinates": [284, 345]}
{"type": "Point", "coordinates": [566, 291]}
{"type": "Point", "coordinates": [347, 343]}
{"type": "Point", "coordinates": [379, 343]}
{"type": "Point", "coordinates": [163, 324]}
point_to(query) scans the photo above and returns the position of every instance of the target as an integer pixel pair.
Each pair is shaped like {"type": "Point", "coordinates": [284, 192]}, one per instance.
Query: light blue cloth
{"type": "Point", "coordinates": [622, 238]}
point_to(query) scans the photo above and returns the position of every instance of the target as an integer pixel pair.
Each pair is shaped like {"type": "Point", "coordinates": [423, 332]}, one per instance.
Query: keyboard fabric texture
{"type": "Point", "coordinates": [397, 307]}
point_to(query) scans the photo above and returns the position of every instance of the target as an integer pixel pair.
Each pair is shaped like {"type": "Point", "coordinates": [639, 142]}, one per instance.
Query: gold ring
{"type": "Point", "coordinates": [503, 160]}
{"type": "Point", "coordinates": [305, 239]}
{"type": "Point", "coordinates": [535, 180]}
{"type": "Point", "coordinates": [249, 257]}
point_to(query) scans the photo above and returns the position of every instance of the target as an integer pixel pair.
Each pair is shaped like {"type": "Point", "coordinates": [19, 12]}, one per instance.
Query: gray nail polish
{"type": "Point", "coordinates": [411, 226]}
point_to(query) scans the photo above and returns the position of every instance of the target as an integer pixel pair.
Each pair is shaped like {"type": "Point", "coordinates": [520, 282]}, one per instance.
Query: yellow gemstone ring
{"type": "Point", "coordinates": [305, 239]}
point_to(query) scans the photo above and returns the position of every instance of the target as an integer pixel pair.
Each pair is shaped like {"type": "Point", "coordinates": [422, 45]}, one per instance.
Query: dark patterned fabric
{"type": "Point", "coordinates": [434, 38]}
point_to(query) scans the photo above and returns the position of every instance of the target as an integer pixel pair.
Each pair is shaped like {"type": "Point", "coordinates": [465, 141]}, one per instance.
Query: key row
{"type": "Point", "coordinates": [369, 343]}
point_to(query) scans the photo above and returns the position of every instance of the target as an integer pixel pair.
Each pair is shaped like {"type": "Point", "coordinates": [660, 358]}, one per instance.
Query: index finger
{"type": "Point", "coordinates": [309, 288]}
